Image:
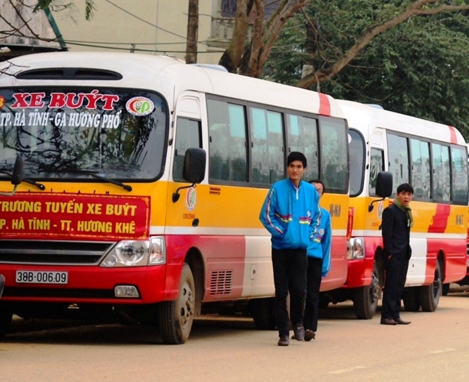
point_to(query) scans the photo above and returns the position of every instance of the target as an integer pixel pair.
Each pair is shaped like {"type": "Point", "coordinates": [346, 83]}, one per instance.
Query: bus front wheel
{"type": "Point", "coordinates": [365, 299]}
{"type": "Point", "coordinates": [430, 295]}
{"type": "Point", "coordinates": [175, 318]}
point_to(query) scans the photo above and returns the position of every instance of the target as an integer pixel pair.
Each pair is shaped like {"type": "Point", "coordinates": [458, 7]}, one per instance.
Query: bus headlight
{"type": "Point", "coordinates": [136, 253]}
{"type": "Point", "coordinates": [356, 248]}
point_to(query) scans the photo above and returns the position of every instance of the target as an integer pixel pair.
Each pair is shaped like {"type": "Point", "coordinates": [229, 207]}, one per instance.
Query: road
{"type": "Point", "coordinates": [434, 347]}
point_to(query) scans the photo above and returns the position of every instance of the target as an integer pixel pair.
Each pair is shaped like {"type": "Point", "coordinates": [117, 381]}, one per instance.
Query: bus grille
{"type": "Point", "coordinates": [53, 252]}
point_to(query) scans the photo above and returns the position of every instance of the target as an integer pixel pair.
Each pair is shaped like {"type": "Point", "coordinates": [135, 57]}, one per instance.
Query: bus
{"type": "Point", "coordinates": [431, 157]}
{"type": "Point", "coordinates": [142, 187]}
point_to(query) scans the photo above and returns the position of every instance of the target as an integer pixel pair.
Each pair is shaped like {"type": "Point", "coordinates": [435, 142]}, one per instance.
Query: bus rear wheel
{"type": "Point", "coordinates": [430, 295]}
{"type": "Point", "coordinates": [263, 313]}
{"type": "Point", "coordinates": [365, 299]}
{"type": "Point", "coordinates": [175, 318]}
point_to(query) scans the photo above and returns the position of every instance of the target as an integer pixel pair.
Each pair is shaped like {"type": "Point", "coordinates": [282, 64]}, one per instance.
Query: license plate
{"type": "Point", "coordinates": [41, 277]}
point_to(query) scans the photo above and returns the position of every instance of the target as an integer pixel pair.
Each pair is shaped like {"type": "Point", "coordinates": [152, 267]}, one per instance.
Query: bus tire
{"type": "Point", "coordinates": [263, 313]}
{"type": "Point", "coordinates": [175, 318]}
{"type": "Point", "coordinates": [365, 299]}
{"type": "Point", "coordinates": [430, 294]}
{"type": "Point", "coordinates": [6, 316]}
{"type": "Point", "coordinates": [411, 298]}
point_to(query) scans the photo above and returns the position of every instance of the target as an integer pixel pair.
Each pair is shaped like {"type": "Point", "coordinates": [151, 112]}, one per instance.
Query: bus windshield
{"type": "Point", "coordinates": [71, 133]}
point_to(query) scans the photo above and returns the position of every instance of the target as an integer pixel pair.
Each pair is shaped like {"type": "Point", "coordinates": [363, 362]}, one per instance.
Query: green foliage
{"type": "Point", "coordinates": [419, 67]}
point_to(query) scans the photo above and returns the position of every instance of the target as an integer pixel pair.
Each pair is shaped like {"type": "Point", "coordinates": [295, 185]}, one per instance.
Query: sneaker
{"type": "Point", "coordinates": [299, 333]}
{"type": "Point", "coordinates": [283, 340]}
{"type": "Point", "coordinates": [310, 335]}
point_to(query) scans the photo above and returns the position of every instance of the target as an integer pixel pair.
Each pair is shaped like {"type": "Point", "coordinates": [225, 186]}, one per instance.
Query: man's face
{"type": "Point", "coordinates": [295, 171]}
{"type": "Point", "coordinates": [405, 198]}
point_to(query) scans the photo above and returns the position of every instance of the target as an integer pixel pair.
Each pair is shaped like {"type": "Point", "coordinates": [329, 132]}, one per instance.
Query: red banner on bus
{"type": "Point", "coordinates": [74, 216]}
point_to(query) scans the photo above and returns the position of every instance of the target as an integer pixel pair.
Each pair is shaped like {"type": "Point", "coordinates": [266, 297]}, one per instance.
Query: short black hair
{"type": "Point", "coordinates": [405, 187]}
{"type": "Point", "coordinates": [318, 182]}
{"type": "Point", "coordinates": [296, 155]}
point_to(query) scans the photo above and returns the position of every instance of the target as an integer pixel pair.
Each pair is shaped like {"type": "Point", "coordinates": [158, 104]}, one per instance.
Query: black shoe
{"type": "Point", "coordinates": [400, 321]}
{"type": "Point", "coordinates": [310, 335]}
{"type": "Point", "coordinates": [283, 340]}
{"type": "Point", "coordinates": [388, 321]}
{"type": "Point", "coordinates": [299, 333]}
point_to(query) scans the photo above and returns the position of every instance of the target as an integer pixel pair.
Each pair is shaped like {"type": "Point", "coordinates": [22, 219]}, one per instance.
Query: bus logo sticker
{"type": "Point", "coordinates": [140, 106]}
{"type": "Point", "coordinates": [191, 198]}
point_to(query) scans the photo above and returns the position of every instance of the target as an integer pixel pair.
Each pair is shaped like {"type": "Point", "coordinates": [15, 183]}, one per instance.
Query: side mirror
{"type": "Point", "coordinates": [193, 172]}
{"type": "Point", "coordinates": [384, 184]}
{"type": "Point", "coordinates": [194, 165]}
{"type": "Point", "coordinates": [383, 187]}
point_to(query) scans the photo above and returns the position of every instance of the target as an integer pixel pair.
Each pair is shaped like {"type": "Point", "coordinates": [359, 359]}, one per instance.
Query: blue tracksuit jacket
{"type": "Point", "coordinates": [322, 249]}
{"type": "Point", "coordinates": [291, 215]}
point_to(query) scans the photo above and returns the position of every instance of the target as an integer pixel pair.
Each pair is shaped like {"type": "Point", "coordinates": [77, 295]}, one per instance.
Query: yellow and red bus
{"type": "Point", "coordinates": [432, 158]}
{"type": "Point", "coordinates": [143, 182]}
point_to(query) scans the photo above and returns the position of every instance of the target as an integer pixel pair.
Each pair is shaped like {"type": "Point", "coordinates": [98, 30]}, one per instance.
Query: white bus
{"type": "Point", "coordinates": [143, 182]}
{"type": "Point", "coordinates": [431, 157]}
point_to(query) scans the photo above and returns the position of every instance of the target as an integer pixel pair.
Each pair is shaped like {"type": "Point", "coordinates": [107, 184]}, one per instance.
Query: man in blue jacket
{"type": "Point", "coordinates": [291, 214]}
{"type": "Point", "coordinates": [319, 265]}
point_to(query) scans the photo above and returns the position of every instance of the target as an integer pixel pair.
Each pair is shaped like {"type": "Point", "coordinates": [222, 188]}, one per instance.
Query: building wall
{"type": "Point", "coordinates": [145, 26]}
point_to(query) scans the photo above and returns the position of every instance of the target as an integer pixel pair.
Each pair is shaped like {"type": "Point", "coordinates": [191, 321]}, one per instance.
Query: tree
{"type": "Point", "coordinates": [248, 55]}
{"type": "Point", "coordinates": [416, 68]}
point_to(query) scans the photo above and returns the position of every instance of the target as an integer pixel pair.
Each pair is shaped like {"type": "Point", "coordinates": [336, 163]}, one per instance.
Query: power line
{"type": "Point", "coordinates": [146, 22]}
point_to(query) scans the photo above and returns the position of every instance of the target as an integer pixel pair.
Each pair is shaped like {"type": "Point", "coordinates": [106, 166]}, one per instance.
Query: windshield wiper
{"type": "Point", "coordinates": [30, 181]}
{"type": "Point", "coordinates": [99, 176]}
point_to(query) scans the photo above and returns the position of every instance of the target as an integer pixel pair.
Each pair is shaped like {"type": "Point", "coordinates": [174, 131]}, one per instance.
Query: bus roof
{"type": "Point", "coordinates": [166, 75]}
{"type": "Point", "coordinates": [365, 118]}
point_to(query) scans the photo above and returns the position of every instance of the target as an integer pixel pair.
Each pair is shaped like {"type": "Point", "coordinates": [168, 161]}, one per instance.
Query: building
{"type": "Point", "coordinates": [23, 31]}
{"type": "Point", "coordinates": [149, 26]}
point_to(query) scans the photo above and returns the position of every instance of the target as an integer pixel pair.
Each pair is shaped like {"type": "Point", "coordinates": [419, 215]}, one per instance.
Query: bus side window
{"type": "Point", "coordinates": [441, 181]}
{"type": "Point", "coordinates": [187, 136]}
{"type": "Point", "coordinates": [376, 166]}
{"type": "Point", "coordinates": [398, 160]}
{"type": "Point", "coordinates": [420, 168]}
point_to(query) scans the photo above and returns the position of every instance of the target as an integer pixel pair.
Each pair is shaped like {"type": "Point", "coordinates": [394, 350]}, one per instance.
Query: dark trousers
{"type": "Point", "coordinates": [313, 283]}
{"type": "Point", "coordinates": [395, 276]}
{"type": "Point", "coordinates": [289, 266]}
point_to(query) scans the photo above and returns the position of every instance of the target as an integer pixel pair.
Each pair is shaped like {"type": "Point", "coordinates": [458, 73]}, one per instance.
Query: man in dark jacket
{"type": "Point", "coordinates": [397, 221]}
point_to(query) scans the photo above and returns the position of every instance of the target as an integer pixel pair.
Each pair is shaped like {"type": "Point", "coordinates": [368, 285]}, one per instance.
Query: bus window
{"type": "Point", "coordinates": [187, 136]}
{"type": "Point", "coordinates": [420, 168]}
{"type": "Point", "coordinates": [398, 159]}
{"type": "Point", "coordinates": [303, 137]}
{"type": "Point", "coordinates": [357, 162]}
{"type": "Point", "coordinates": [459, 180]}
{"type": "Point", "coordinates": [334, 162]}
{"type": "Point", "coordinates": [267, 146]}
{"type": "Point", "coordinates": [441, 181]}
{"type": "Point", "coordinates": [228, 148]}
{"type": "Point", "coordinates": [376, 165]}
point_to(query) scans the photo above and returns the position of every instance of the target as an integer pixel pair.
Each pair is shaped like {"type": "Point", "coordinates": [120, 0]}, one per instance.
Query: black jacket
{"type": "Point", "coordinates": [396, 232]}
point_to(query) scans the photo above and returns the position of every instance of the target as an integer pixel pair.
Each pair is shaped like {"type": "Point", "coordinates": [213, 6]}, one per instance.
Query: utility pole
{"type": "Point", "coordinates": [192, 32]}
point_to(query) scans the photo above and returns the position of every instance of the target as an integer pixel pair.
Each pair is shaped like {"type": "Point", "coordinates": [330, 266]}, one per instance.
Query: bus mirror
{"type": "Point", "coordinates": [17, 176]}
{"type": "Point", "coordinates": [384, 184]}
{"type": "Point", "coordinates": [194, 165]}
{"type": "Point", "coordinates": [383, 187]}
{"type": "Point", "coordinates": [194, 169]}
